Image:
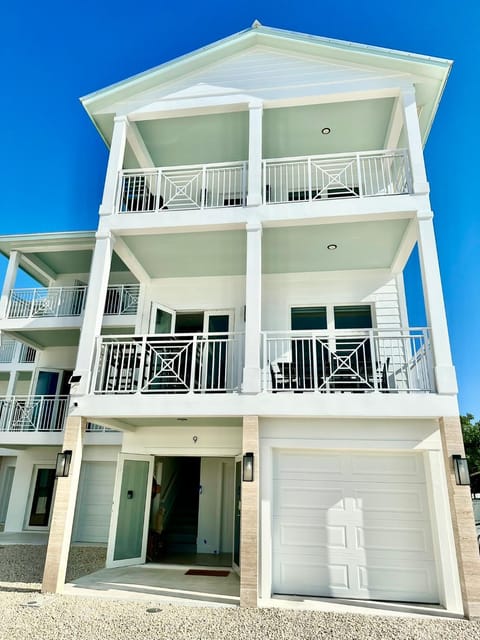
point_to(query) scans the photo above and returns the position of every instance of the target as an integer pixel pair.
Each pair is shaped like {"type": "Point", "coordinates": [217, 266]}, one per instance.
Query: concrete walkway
{"type": "Point", "coordinates": [152, 581]}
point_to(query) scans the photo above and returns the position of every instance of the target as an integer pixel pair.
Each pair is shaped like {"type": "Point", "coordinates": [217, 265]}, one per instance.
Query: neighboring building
{"type": "Point", "coordinates": [245, 295]}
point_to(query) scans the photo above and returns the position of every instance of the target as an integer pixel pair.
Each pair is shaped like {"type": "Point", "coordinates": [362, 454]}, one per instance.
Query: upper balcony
{"type": "Point", "coordinates": [61, 302]}
{"type": "Point", "coordinates": [359, 361]}
{"type": "Point", "coordinates": [284, 180]}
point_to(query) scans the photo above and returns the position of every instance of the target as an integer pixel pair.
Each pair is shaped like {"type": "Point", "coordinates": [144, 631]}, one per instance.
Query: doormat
{"type": "Point", "coordinates": [207, 572]}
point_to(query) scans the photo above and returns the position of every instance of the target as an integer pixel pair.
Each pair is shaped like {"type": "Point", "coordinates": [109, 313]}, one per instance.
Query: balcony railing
{"type": "Point", "coordinates": [306, 178]}
{"type": "Point", "coordinates": [122, 300]}
{"type": "Point", "coordinates": [11, 351]}
{"type": "Point", "coordinates": [57, 302]}
{"type": "Point", "coordinates": [33, 413]}
{"type": "Point", "coordinates": [353, 175]}
{"type": "Point", "coordinates": [189, 187]}
{"type": "Point", "coordinates": [173, 363]}
{"type": "Point", "coordinates": [46, 302]}
{"type": "Point", "coordinates": [355, 360]}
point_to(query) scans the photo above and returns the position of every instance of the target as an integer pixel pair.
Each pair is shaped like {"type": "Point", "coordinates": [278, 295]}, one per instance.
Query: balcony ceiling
{"type": "Point", "coordinates": [43, 338]}
{"type": "Point", "coordinates": [175, 255]}
{"type": "Point", "coordinates": [366, 245]}
{"type": "Point", "coordinates": [294, 131]}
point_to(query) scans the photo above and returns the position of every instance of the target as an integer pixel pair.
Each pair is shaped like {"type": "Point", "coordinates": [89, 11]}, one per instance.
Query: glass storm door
{"type": "Point", "coordinates": [237, 513]}
{"type": "Point", "coordinates": [127, 543]}
{"type": "Point", "coordinates": [42, 498]}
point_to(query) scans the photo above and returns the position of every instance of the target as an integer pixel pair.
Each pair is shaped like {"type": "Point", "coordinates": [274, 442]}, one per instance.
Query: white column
{"type": "Point", "coordinates": [255, 111]}
{"type": "Point", "coordinates": [414, 140]}
{"type": "Point", "coordinates": [115, 164]}
{"type": "Point", "coordinates": [94, 306]}
{"type": "Point", "coordinates": [9, 281]}
{"type": "Point", "coordinates": [434, 306]}
{"type": "Point", "coordinates": [253, 309]}
{"type": "Point", "coordinates": [12, 382]}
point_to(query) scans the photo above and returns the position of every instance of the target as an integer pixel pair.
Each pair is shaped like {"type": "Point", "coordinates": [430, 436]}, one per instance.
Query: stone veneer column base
{"type": "Point", "coordinates": [64, 510]}
{"type": "Point", "coordinates": [249, 520]}
{"type": "Point", "coordinates": [468, 557]}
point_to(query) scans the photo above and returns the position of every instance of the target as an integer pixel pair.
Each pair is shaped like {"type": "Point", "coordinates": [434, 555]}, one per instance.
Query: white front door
{"type": "Point", "coordinates": [352, 525]}
{"type": "Point", "coordinates": [127, 542]}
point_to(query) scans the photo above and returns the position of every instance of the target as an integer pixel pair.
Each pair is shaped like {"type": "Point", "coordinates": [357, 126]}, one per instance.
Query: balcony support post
{"type": "Point", "coordinates": [255, 110]}
{"type": "Point", "coordinates": [63, 510]}
{"type": "Point", "coordinates": [253, 302]}
{"type": "Point", "coordinates": [115, 165]}
{"type": "Point", "coordinates": [434, 306]}
{"type": "Point", "coordinates": [414, 137]}
{"type": "Point", "coordinates": [9, 281]}
{"type": "Point", "coordinates": [94, 307]}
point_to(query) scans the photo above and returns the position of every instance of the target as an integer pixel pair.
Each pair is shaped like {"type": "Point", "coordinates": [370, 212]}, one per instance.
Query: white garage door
{"type": "Point", "coordinates": [352, 525]}
{"type": "Point", "coordinates": [94, 502]}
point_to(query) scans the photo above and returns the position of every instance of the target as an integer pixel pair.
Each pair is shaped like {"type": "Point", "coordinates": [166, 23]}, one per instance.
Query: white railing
{"type": "Point", "coordinates": [348, 360]}
{"type": "Point", "coordinates": [344, 175]}
{"type": "Point", "coordinates": [44, 303]}
{"type": "Point", "coordinates": [99, 428]}
{"type": "Point", "coordinates": [12, 351]}
{"type": "Point", "coordinates": [7, 350]}
{"type": "Point", "coordinates": [188, 187]}
{"type": "Point", "coordinates": [173, 363]}
{"type": "Point", "coordinates": [122, 300]}
{"type": "Point", "coordinates": [33, 413]}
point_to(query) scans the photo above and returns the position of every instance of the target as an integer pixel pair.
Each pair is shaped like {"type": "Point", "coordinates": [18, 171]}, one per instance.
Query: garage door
{"type": "Point", "coordinates": [94, 502]}
{"type": "Point", "coordinates": [352, 526]}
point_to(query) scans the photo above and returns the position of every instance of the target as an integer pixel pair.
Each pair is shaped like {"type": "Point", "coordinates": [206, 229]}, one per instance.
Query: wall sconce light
{"type": "Point", "coordinates": [248, 467]}
{"type": "Point", "coordinates": [74, 379]}
{"type": "Point", "coordinates": [460, 466]}
{"type": "Point", "coordinates": [62, 468]}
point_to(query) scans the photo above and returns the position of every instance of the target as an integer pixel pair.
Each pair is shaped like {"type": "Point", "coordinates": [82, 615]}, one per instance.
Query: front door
{"type": "Point", "coordinates": [127, 542]}
{"type": "Point", "coordinates": [237, 513]}
{"type": "Point", "coordinates": [42, 497]}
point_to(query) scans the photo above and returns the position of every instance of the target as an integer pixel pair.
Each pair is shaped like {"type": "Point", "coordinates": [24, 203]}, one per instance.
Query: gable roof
{"type": "Point", "coordinates": [429, 74]}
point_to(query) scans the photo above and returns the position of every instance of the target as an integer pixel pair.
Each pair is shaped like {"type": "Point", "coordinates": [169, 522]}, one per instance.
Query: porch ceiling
{"type": "Point", "coordinates": [292, 131]}
{"type": "Point", "coordinates": [50, 337]}
{"type": "Point", "coordinates": [366, 245]}
{"type": "Point", "coordinates": [180, 255]}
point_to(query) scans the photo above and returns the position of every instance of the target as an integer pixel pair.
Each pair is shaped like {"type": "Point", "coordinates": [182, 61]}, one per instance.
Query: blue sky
{"type": "Point", "coordinates": [53, 161]}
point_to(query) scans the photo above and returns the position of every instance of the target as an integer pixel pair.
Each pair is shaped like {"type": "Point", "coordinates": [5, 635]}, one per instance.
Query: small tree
{"type": "Point", "coordinates": [471, 438]}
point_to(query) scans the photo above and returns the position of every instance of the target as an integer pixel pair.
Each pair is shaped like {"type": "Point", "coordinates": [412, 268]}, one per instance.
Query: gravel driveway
{"type": "Point", "coordinates": [25, 614]}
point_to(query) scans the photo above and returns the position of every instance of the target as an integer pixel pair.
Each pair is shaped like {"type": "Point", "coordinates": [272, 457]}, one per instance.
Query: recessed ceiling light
{"type": "Point", "coordinates": [332, 247]}
{"type": "Point", "coordinates": [326, 131]}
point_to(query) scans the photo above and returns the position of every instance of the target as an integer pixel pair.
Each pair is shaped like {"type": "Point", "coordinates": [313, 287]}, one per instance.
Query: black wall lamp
{"type": "Point", "coordinates": [248, 467]}
{"type": "Point", "coordinates": [460, 466]}
{"type": "Point", "coordinates": [62, 468]}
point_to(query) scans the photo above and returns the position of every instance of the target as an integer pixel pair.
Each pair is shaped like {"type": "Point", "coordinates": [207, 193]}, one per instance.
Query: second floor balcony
{"type": "Point", "coordinates": [284, 180]}
{"type": "Point", "coordinates": [33, 413]}
{"type": "Point", "coordinates": [355, 361]}
{"type": "Point", "coordinates": [69, 301]}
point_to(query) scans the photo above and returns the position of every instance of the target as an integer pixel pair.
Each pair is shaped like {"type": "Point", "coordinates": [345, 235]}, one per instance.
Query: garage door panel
{"type": "Point", "coordinates": [392, 582]}
{"type": "Point", "coordinates": [335, 577]}
{"type": "Point", "coordinates": [316, 465]}
{"type": "Point", "coordinates": [386, 468]}
{"type": "Point", "coordinates": [371, 499]}
{"type": "Point", "coordinates": [307, 536]}
{"type": "Point", "coordinates": [392, 539]}
{"type": "Point", "coordinates": [377, 530]}
{"type": "Point", "coordinates": [94, 503]}
{"type": "Point", "coordinates": [309, 495]}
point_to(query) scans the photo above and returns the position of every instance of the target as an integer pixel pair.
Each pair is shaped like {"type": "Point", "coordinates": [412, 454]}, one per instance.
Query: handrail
{"type": "Point", "coordinates": [33, 413]}
{"type": "Point", "coordinates": [386, 360]}
{"type": "Point", "coordinates": [168, 363]}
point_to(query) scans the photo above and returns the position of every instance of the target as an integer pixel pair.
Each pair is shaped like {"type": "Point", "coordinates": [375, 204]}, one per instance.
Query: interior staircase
{"type": "Point", "coordinates": [180, 535]}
